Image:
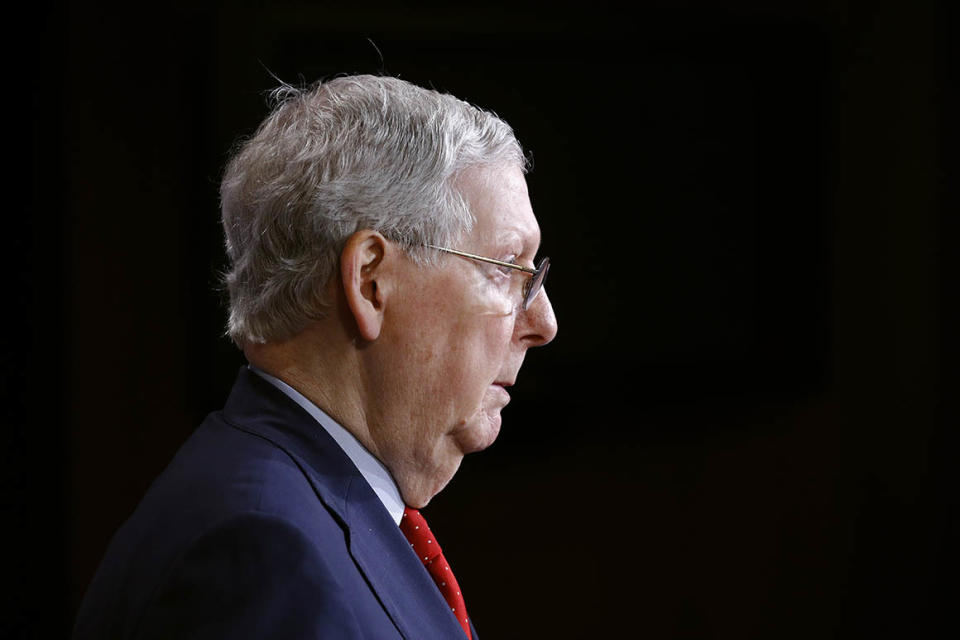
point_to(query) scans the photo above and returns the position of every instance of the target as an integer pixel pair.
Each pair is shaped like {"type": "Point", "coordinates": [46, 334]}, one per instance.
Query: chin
{"type": "Point", "coordinates": [480, 432]}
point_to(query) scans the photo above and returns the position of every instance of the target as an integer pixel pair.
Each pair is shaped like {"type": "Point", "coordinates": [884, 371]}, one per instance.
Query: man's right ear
{"type": "Point", "coordinates": [361, 273]}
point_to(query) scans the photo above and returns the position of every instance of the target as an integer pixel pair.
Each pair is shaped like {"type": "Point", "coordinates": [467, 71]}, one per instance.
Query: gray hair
{"type": "Point", "coordinates": [357, 152]}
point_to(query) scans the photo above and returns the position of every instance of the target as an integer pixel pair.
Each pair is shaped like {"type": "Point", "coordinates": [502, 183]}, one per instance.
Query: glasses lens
{"type": "Point", "coordinates": [535, 283]}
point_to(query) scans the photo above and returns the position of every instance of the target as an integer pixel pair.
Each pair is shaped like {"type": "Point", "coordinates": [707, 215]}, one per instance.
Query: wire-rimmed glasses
{"type": "Point", "coordinates": [530, 288]}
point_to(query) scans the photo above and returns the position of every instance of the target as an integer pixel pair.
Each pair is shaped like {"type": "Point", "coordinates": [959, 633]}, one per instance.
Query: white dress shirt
{"type": "Point", "coordinates": [370, 468]}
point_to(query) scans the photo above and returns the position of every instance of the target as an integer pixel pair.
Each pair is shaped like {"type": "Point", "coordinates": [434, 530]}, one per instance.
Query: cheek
{"type": "Point", "coordinates": [491, 296]}
{"type": "Point", "coordinates": [488, 348]}
{"type": "Point", "coordinates": [471, 358]}
{"type": "Point", "coordinates": [462, 342]}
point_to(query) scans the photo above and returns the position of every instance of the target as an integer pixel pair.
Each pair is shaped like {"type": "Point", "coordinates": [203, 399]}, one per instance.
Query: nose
{"type": "Point", "coordinates": [537, 325]}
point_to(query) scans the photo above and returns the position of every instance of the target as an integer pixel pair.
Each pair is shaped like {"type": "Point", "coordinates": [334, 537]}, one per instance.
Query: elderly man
{"type": "Point", "coordinates": [384, 290]}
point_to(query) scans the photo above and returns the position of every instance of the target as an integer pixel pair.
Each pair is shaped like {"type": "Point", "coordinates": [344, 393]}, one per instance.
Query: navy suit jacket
{"type": "Point", "coordinates": [261, 526]}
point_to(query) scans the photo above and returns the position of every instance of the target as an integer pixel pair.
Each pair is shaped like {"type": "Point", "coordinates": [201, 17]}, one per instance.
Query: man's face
{"type": "Point", "coordinates": [457, 336]}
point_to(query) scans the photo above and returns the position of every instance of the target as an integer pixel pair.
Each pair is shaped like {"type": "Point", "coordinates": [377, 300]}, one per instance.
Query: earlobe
{"type": "Point", "coordinates": [361, 264]}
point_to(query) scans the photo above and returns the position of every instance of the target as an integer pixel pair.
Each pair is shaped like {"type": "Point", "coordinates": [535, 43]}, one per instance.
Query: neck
{"type": "Point", "coordinates": [324, 369]}
{"type": "Point", "coordinates": [334, 371]}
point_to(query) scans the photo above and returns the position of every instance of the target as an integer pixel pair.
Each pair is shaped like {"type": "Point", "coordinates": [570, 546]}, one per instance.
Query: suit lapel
{"type": "Point", "coordinates": [395, 573]}
{"type": "Point", "coordinates": [379, 549]}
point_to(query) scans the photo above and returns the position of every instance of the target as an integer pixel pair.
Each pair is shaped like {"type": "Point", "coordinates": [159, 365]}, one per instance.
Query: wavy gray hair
{"type": "Point", "coordinates": [357, 152]}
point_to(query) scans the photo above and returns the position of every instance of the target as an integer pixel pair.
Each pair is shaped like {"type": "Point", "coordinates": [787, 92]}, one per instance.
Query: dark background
{"type": "Point", "coordinates": [745, 428]}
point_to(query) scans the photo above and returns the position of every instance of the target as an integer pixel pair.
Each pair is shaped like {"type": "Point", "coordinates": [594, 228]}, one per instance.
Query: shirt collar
{"type": "Point", "coordinates": [372, 470]}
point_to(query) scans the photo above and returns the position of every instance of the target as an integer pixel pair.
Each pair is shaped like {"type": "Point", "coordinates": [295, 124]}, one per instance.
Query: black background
{"type": "Point", "coordinates": [745, 427]}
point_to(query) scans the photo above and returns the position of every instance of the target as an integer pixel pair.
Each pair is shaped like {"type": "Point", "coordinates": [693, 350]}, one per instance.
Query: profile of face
{"type": "Point", "coordinates": [458, 336]}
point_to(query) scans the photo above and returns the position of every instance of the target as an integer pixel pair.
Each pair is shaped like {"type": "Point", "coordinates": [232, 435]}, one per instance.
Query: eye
{"type": "Point", "coordinates": [507, 271]}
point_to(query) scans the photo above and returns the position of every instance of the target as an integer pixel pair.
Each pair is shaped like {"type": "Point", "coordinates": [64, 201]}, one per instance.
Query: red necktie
{"type": "Point", "coordinates": [415, 528]}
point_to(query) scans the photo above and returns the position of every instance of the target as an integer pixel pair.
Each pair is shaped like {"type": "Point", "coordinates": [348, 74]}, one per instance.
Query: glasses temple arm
{"type": "Point", "coordinates": [484, 259]}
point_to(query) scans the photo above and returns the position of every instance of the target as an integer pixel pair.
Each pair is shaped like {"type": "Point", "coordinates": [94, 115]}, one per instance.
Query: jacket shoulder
{"type": "Point", "coordinates": [224, 486]}
{"type": "Point", "coordinates": [253, 574]}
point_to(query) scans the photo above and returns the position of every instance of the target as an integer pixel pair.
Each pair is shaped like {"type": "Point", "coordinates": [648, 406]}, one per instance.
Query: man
{"type": "Point", "coordinates": [384, 291]}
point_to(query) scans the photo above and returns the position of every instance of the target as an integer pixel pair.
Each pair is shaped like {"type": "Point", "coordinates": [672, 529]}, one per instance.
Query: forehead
{"type": "Point", "coordinates": [499, 201]}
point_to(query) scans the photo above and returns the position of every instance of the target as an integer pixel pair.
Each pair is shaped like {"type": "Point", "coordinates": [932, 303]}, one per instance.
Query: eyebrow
{"type": "Point", "coordinates": [524, 242]}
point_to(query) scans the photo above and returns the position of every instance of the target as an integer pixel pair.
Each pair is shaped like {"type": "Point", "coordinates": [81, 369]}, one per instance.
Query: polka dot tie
{"type": "Point", "coordinates": [415, 528]}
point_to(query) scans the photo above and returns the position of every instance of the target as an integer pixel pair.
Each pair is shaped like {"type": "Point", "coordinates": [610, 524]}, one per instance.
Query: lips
{"type": "Point", "coordinates": [500, 391]}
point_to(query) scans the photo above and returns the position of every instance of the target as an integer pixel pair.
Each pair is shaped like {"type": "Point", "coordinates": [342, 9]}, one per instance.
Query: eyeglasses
{"type": "Point", "coordinates": [530, 288]}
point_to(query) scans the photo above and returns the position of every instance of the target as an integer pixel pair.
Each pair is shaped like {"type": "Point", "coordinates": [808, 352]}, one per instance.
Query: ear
{"type": "Point", "coordinates": [361, 266]}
